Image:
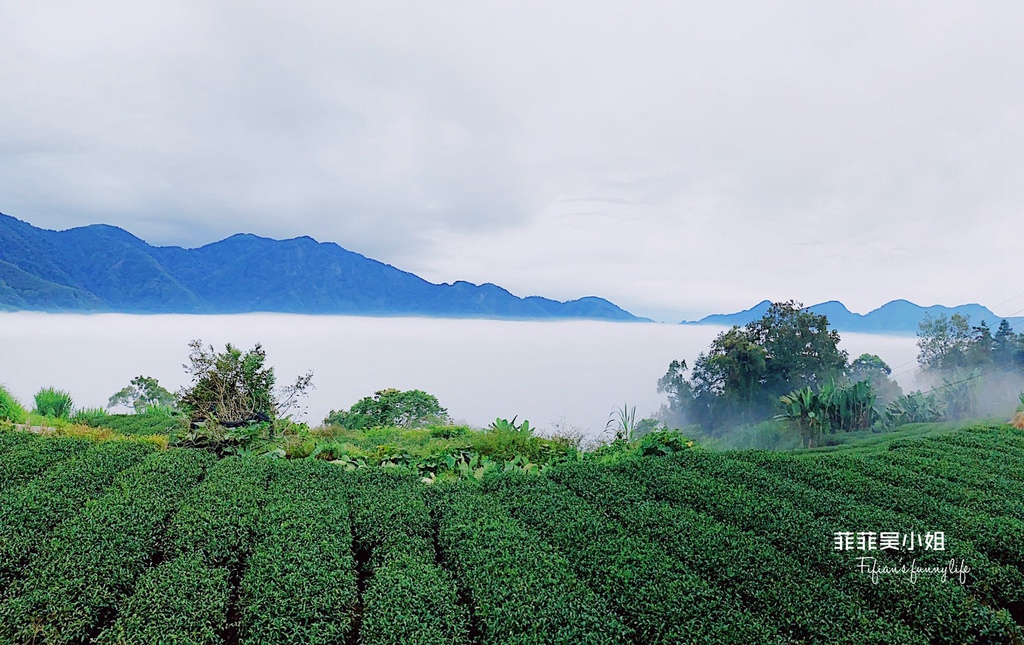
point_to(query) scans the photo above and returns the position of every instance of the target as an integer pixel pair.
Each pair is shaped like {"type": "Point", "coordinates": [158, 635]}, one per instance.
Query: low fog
{"type": "Point", "coordinates": [558, 375]}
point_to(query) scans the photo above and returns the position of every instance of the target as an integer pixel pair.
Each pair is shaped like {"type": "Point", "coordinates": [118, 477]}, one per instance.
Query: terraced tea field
{"type": "Point", "coordinates": [119, 542]}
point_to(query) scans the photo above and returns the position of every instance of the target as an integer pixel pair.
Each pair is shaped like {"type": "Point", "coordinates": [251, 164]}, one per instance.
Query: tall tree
{"type": "Point", "coordinates": [943, 343]}
{"type": "Point", "coordinates": [141, 393]}
{"type": "Point", "coordinates": [745, 371]}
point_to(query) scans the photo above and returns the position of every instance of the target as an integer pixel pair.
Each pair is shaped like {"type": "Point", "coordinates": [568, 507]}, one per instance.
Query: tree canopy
{"type": "Point", "coordinates": [390, 407]}
{"type": "Point", "coordinates": [143, 392]}
{"type": "Point", "coordinates": [745, 371]}
{"type": "Point", "coordinates": [236, 386]}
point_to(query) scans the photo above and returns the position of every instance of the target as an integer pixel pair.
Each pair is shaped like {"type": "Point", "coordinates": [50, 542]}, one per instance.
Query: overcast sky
{"type": "Point", "coordinates": [676, 158]}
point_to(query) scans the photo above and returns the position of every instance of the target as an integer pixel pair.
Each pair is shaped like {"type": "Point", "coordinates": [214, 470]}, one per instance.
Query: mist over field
{"type": "Point", "coordinates": [568, 373]}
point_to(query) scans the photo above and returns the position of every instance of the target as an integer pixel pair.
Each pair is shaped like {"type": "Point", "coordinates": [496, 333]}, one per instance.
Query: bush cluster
{"type": "Point", "coordinates": [658, 597]}
{"type": "Point", "coordinates": [84, 572]}
{"type": "Point", "coordinates": [408, 598]}
{"type": "Point", "coordinates": [300, 583]}
{"type": "Point", "coordinates": [29, 513]}
{"type": "Point", "coordinates": [521, 589]}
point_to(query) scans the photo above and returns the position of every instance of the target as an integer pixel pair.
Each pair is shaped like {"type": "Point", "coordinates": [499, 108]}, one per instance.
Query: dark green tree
{"type": "Point", "coordinates": [800, 348]}
{"type": "Point", "coordinates": [871, 368]}
{"type": "Point", "coordinates": [679, 391]}
{"type": "Point", "coordinates": [943, 342]}
{"type": "Point", "coordinates": [1006, 346]}
{"type": "Point", "coordinates": [143, 392]}
{"type": "Point", "coordinates": [390, 407]}
{"type": "Point", "coordinates": [236, 386]}
{"type": "Point", "coordinates": [745, 371]}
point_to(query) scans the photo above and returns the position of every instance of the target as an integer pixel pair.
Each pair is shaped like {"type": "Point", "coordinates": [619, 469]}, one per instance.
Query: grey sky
{"type": "Point", "coordinates": [678, 159]}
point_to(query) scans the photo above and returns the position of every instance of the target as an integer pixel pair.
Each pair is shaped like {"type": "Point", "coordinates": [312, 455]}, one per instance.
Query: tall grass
{"type": "Point", "coordinates": [10, 409]}
{"type": "Point", "coordinates": [54, 403]}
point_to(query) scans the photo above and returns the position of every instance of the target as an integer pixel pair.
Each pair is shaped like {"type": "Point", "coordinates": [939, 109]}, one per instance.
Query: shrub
{"type": "Point", "coordinates": [181, 601]}
{"type": "Point", "coordinates": [300, 584]}
{"type": "Point", "coordinates": [54, 403]}
{"type": "Point", "coordinates": [30, 512]}
{"type": "Point", "coordinates": [89, 567]}
{"type": "Point", "coordinates": [521, 589]}
{"type": "Point", "coordinates": [27, 461]}
{"type": "Point", "coordinates": [10, 409]}
{"type": "Point", "coordinates": [390, 407]}
{"type": "Point", "coordinates": [657, 596]}
{"type": "Point", "coordinates": [90, 417]}
{"type": "Point", "coordinates": [236, 386]}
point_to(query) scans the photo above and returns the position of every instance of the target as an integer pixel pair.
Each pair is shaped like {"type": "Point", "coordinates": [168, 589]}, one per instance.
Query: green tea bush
{"type": "Point", "coordinates": [408, 598]}
{"type": "Point", "coordinates": [146, 423]}
{"type": "Point", "coordinates": [90, 417]}
{"type": "Point", "coordinates": [300, 583]}
{"type": "Point", "coordinates": [746, 566]}
{"type": "Point", "coordinates": [10, 409]}
{"type": "Point", "coordinates": [11, 439]}
{"type": "Point", "coordinates": [29, 513]}
{"type": "Point", "coordinates": [220, 519]}
{"type": "Point", "coordinates": [658, 597]}
{"type": "Point", "coordinates": [754, 500]}
{"type": "Point", "coordinates": [81, 576]}
{"type": "Point", "coordinates": [181, 601]}
{"type": "Point", "coordinates": [412, 602]}
{"type": "Point", "coordinates": [54, 403]}
{"type": "Point", "coordinates": [521, 590]}
{"type": "Point", "coordinates": [27, 460]}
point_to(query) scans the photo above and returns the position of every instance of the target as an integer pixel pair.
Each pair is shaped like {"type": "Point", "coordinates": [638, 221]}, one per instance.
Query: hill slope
{"type": "Point", "coordinates": [104, 268]}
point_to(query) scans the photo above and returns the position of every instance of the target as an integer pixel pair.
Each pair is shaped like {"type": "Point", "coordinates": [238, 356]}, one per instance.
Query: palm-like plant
{"type": "Point", "coordinates": [805, 409]}
{"type": "Point", "coordinates": [623, 422]}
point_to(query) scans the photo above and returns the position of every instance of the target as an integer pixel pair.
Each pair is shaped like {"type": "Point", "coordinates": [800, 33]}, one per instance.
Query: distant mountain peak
{"type": "Point", "coordinates": [81, 269]}
{"type": "Point", "coordinates": [895, 317]}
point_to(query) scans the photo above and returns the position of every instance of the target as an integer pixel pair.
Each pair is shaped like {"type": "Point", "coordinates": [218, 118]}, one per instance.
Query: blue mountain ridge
{"type": "Point", "coordinates": [896, 317]}
{"type": "Point", "coordinates": [102, 268]}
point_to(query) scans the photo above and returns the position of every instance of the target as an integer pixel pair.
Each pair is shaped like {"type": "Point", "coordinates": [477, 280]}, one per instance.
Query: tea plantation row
{"type": "Point", "coordinates": [122, 543]}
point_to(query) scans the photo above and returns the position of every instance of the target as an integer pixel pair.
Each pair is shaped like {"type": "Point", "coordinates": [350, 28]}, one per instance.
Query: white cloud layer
{"type": "Point", "coordinates": [678, 159]}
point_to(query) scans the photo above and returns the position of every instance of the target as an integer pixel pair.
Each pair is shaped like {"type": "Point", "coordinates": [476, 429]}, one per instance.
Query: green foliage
{"type": "Point", "coordinates": [849, 406]}
{"type": "Point", "coordinates": [26, 460]}
{"type": "Point", "coordinates": [409, 598]}
{"type": "Point", "coordinates": [142, 393]}
{"type": "Point", "coordinates": [300, 583]}
{"type": "Point", "coordinates": [622, 422]}
{"type": "Point", "coordinates": [236, 386]}
{"type": "Point", "coordinates": [181, 601]}
{"type": "Point", "coordinates": [740, 378]}
{"type": "Point", "coordinates": [10, 409]}
{"type": "Point", "coordinates": [871, 368]}
{"type": "Point", "coordinates": [85, 571]}
{"type": "Point", "coordinates": [915, 407]}
{"type": "Point", "coordinates": [799, 519]}
{"type": "Point", "coordinates": [504, 425]}
{"type": "Point", "coordinates": [659, 597]}
{"type": "Point", "coordinates": [220, 519]}
{"type": "Point", "coordinates": [390, 407]}
{"type": "Point", "coordinates": [944, 342]}
{"type": "Point", "coordinates": [29, 513]}
{"type": "Point", "coordinates": [830, 408]}
{"type": "Point", "coordinates": [958, 394]}
{"type": "Point", "coordinates": [663, 442]}
{"type": "Point", "coordinates": [94, 417]}
{"type": "Point", "coordinates": [805, 408]}
{"type": "Point", "coordinates": [54, 403]}
{"type": "Point", "coordinates": [151, 421]}
{"type": "Point", "coordinates": [521, 590]}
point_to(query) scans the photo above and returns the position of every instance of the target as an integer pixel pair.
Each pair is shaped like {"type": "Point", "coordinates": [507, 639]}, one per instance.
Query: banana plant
{"type": "Point", "coordinates": [510, 426]}
{"type": "Point", "coordinates": [805, 409]}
